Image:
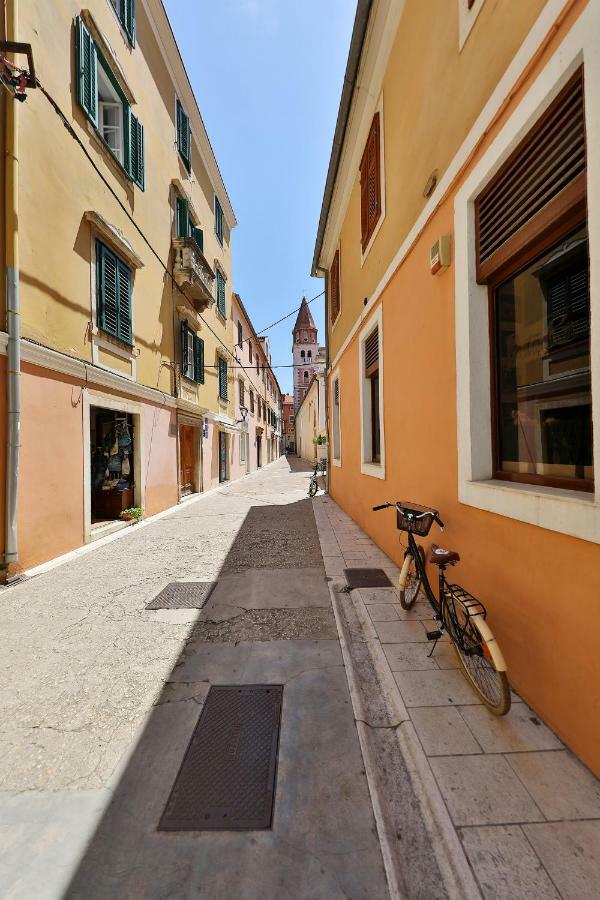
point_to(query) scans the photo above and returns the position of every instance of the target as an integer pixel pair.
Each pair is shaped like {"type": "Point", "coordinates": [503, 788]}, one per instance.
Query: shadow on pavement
{"type": "Point", "coordinates": [323, 841]}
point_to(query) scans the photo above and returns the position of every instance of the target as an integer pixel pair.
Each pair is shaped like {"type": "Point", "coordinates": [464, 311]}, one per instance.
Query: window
{"type": "Point", "coordinates": [192, 354]}
{"type": "Point", "coordinates": [125, 10]}
{"type": "Point", "coordinates": [242, 392]}
{"type": "Point", "coordinates": [370, 184]}
{"type": "Point", "coordinates": [219, 221]}
{"type": "Point", "coordinates": [222, 378]}
{"type": "Point", "coordinates": [251, 393]}
{"type": "Point", "coordinates": [336, 419]}
{"type": "Point", "coordinates": [105, 105]}
{"type": "Point", "coordinates": [371, 396]}
{"type": "Point", "coordinates": [243, 447]}
{"type": "Point", "coordinates": [113, 294]}
{"type": "Point", "coordinates": [250, 351]}
{"type": "Point", "coordinates": [533, 254]}
{"type": "Point", "coordinates": [309, 354]}
{"type": "Point", "coordinates": [302, 354]}
{"type": "Point", "coordinates": [240, 331]}
{"type": "Point", "coordinates": [185, 227]}
{"type": "Point", "coordinates": [334, 284]}
{"type": "Point", "coordinates": [184, 137]}
{"type": "Point", "coordinates": [221, 294]}
{"type": "Point", "coordinates": [306, 376]}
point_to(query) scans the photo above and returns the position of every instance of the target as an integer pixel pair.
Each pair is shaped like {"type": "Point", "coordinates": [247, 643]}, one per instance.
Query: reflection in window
{"type": "Point", "coordinates": [544, 411]}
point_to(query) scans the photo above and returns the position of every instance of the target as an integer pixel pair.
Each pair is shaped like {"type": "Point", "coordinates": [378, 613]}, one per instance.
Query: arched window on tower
{"type": "Point", "coordinates": [306, 376]}
{"type": "Point", "coordinates": [309, 353]}
{"type": "Point", "coordinates": [302, 354]}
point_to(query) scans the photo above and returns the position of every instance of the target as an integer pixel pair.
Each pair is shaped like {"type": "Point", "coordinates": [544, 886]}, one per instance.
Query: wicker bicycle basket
{"type": "Point", "coordinates": [406, 518]}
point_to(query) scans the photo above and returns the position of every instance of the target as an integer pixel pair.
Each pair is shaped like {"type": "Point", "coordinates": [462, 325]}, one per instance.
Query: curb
{"type": "Point", "coordinates": [455, 872]}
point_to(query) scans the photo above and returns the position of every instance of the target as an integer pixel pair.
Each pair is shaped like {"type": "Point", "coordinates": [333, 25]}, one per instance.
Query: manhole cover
{"type": "Point", "coordinates": [183, 595]}
{"type": "Point", "coordinates": [366, 578]}
{"type": "Point", "coordinates": [227, 777]}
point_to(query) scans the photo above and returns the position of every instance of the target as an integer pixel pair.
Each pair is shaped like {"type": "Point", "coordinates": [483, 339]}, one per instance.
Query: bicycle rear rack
{"type": "Point", "coordinates": [471, 605]}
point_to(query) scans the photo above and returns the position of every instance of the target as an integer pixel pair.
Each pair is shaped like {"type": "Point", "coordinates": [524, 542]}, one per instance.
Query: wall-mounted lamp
{"type": "Point", "coordinates": [244, 413]}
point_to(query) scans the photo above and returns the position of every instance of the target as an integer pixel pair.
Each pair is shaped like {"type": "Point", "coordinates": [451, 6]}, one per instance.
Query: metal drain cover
{"type": "Point", "coordinates": [366, 578]}
{"type": "Point", "coordinates": [227, 777]}
{"type": "Point", "coordinates": [183, 595]}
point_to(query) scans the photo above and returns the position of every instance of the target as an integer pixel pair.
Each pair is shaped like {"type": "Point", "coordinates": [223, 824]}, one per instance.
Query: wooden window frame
{"type": "Point", "coordinates": [371, 157]}
{"type": "Point", "coordinates": [537, 247]}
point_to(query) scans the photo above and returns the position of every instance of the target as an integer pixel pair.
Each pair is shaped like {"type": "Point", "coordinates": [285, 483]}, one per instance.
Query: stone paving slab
{"type": "Point", "coordinates": [526, 810]}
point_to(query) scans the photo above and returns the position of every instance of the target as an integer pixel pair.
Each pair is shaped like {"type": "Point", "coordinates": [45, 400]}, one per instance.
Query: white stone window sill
{"type": "Point", "coordinates": [557, 509]}
{"type": "Point", "coordinates": [376, 470]}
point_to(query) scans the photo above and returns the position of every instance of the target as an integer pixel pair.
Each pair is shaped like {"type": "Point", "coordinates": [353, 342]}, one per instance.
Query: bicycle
{"type": "Point", "coordinates": [458, 613]}
{"type": "Point", "coordinates": [314, 480]}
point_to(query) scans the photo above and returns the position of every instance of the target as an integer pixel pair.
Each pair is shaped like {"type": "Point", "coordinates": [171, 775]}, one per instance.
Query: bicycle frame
{"type": "Point", "coordinates": [420, 566]}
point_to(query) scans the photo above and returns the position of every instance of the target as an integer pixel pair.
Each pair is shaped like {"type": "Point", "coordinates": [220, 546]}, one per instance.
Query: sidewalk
{"type": "Point", "coordinates": [525, 810]}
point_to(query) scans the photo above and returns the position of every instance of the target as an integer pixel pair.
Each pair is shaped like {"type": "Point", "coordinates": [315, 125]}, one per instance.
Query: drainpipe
{"type": "Point", "coordinates": [13, 326]}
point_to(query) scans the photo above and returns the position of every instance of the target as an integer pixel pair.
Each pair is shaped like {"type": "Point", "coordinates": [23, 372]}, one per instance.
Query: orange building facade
{"type": "Point", "coordinates": [463, 315]}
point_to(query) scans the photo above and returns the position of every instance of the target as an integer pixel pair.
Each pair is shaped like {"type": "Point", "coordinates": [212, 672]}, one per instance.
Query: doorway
{"type": "Point", "coordinates": [258, 452]}
{"type": "Point", "coordinates": [188, 454]}
{"type": "Point", "coordinates": [112, 464]}
{"type": "Point", "coordinates": [222, 457]}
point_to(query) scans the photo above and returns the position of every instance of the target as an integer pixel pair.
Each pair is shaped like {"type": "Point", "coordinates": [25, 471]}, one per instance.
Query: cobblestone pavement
{"type": "Point", "coordinates": [525, 810]}
{"type": "Point", "coordinates": [100, 696]}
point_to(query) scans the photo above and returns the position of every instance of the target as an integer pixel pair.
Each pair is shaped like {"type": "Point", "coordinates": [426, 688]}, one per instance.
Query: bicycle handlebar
{"type": "Point", "coordinates": [382, 506]}
{"type": "Point", "coordinates": [436, 517]}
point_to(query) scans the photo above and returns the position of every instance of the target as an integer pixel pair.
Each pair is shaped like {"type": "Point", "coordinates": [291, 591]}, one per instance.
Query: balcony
{"type": "Point", "coordinates": [193, 274]}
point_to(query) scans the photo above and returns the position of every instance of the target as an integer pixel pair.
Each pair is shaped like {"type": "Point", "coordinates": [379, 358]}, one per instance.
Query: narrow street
{"type": "Point", "coordinates": [100, 697]}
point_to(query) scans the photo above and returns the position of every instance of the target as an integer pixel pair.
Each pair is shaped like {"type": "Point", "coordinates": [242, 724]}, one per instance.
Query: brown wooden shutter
{"type": "Point", "coordinates": [334, 286]}
{"type": "Point", "coordinates": [372, 353]}
{"type": "Point", "coordinates": [541, 182]}
{"type": "Point", "coordinates": [370, 184]}
{"type": "Point", "coordinates": [336, 392]}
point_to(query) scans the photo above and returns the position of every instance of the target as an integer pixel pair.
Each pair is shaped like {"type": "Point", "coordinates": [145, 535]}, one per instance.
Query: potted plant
{"type": "Point", "coordinates": [321, 442]}
{"type": "Point", "coordinates": [133, 514]}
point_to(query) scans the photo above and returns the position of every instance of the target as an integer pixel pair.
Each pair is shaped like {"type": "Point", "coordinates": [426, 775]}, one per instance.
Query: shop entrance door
{"type": "Point", "coordinates": [258, 452]}
{"type": "Point", "coordinates": [187, 456]}
{"type": "Point", "coordinates": [222, 456]}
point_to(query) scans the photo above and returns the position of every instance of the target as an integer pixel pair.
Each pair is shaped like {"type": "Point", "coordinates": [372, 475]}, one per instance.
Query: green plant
{"type": "Point", "coordinates": [133, 514]}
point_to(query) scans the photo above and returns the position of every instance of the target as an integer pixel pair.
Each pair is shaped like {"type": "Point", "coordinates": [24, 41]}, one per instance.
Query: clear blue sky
{"type": "Point", "coordinates": [268, 76]}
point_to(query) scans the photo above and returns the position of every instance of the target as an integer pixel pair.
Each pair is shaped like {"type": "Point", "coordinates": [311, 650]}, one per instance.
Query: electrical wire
{"type": "Point", "coordinates": [289, 315]}
{"type": "Point", "coordinates": [72, 133]}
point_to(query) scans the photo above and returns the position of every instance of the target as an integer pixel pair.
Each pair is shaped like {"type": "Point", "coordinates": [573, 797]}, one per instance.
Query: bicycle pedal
{"type": "Point", "coordinates": [434, 635]}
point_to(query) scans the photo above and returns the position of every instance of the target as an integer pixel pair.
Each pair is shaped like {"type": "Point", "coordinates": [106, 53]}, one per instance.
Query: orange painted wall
{"type": "Point", "coordinates": [541, 588]}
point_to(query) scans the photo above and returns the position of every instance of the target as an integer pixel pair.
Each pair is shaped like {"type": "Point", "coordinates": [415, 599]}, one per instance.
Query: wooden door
{"type": "Point", "coordinates": [188, 459]}
{"type": "Point", "coordinates": [222, 456]}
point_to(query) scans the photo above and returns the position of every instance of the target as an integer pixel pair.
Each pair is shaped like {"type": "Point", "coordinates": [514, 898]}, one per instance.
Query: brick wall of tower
{"type": "Point", "coordinates": [305, 342]}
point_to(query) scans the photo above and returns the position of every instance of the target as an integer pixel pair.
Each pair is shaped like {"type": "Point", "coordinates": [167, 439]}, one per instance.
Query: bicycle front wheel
{"type": "Point", "coordinates": [313, 488]}
{"type": "Point", "coordinates": [471, 643]}
{"type": "Point", "coordinates": [409, 593]}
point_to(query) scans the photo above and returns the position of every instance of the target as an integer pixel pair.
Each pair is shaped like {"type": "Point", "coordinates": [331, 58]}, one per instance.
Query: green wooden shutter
{"type": "Point", "coordinates": [199, 359]}
{"type": "Point", "coordinates": [87, 72]}
{"type": "Point", "coordinates": [184, 347]}
{"type": "Point", "coordinates": [198, 236]}
{"type": "Point", "coordinates": [219, 220]}
{"type": "Point", "coordinates": [124, 302]}
{"type": "Point", "coordinates": [222, 378]}
{"type": "Point", "coordinates": [136, 149]}
{"type": "Point", "coordinates": [128, 18]}
{"type": "Point", "coordinates": [183, 217]}
{"type": "Point", "coordinates": [183, 136]}
{"type": "Point", "coordinates": [106, 295]}
{"type": "Point", "coordinates": [221, 294]}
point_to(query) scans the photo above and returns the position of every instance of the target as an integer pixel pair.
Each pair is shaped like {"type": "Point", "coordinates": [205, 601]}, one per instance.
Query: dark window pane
{"type": "Point", "coordinates": [375, 435]}
{"type": "Point", "coordinates": [542, 324]}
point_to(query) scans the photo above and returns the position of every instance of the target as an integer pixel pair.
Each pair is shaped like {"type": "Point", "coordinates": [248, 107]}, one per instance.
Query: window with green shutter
{"type": "Point", "coordinates": [103, 101]}
{"type": "Point", "coordinates": [221, 294]}
{"type": "Point", "coordinates": [125, 10]}
{"type": "Point", "coordinates": [199, 359]}
{"type": "Point", "coordinates": [184, 137]}
{"type": "Point", "coordinates": [198, 236]}
{"type": "Point", "coordinates": [113, 294]}
{"type": "Point", "coordinates": [218, 220]}
{"type": "Point", "coordinates": [183, 218]}
{"type": "Point", "coordinates": [222, 378]}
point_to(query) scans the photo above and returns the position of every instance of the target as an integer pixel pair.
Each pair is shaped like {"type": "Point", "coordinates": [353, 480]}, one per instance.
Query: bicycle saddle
{"type": "Point", "coordinates": [440, 557]}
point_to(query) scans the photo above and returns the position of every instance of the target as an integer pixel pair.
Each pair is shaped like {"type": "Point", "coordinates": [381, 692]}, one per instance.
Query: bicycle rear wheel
{"type": "Point", "coordinates": [410, 592]}
{"type": "Point", "coordinates": [471, 644]}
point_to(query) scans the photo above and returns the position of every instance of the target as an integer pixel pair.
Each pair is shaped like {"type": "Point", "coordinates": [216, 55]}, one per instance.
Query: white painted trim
{"type": "Point", "coordinates": [566, 511]}
{"type": "Point", "coordinates": [466, 19]}
{"type": "Point", "coordinates": [45, 358]}
{"type": "Point", "coordinates": [336, 460]}
{"type": "Point", "coordinates": [526, 51]}
{"type": "Point", "coordinates": [376, 470]}
{"type": "Point", "coordinates": [379, 109]}
{"type": "Point", "coordinates": [108, 401]}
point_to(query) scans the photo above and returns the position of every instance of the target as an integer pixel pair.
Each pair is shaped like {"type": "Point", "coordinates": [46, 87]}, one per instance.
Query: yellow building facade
{"type": "Point", "coordinates": [123, 225]}
{"type": "Point", "coordinates": [456, 237]}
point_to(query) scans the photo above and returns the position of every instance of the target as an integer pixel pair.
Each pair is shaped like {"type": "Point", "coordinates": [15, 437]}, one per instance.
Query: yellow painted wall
{"type": "Point", "coordinates": [307, 423]}
{"type": "Point", "coordinates": [432, 94]}
{"type": "Point", "coordinates": [58, 185]}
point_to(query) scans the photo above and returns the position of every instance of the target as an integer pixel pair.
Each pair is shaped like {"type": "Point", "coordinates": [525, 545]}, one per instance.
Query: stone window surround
{"type": "Point", "coordinates": [367, 467]}
{"type": "Point", "coordinates": [557, 509]}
